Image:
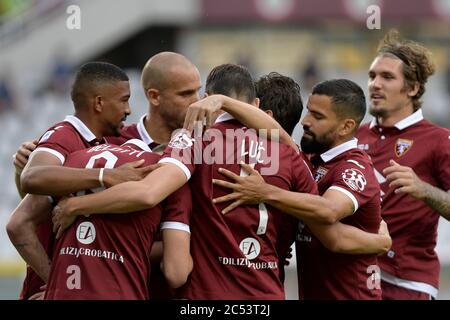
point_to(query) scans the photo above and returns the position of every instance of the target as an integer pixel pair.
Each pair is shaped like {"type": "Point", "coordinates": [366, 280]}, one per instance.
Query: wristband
{"type": "Point", "coordinates": [100, 177]}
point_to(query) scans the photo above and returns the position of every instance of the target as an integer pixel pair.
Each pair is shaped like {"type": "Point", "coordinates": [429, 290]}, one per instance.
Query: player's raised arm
{"type": "Point", "coordinates": [206, 110]}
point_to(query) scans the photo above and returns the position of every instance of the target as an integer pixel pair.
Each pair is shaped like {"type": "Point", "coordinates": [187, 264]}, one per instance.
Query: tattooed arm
{"type": "Point", "coordinates": [404, 180]}
{"type": "Point", "coordinates": [21, 229]}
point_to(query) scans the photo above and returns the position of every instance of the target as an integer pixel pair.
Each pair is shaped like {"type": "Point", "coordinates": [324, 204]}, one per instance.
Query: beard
{"type": "Point", "coordinates": [115, 131]}
{"type": "Point", "coordinates": [311, 146]}
{"type": "Point", "coordinates": [316, 145]}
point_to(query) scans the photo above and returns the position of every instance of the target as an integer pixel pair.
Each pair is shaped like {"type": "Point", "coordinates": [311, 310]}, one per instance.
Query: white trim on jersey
{"type": "Point", "coordinates": [224, 117]}
{"type": "Point", "coordinates": [142, 131]}
{"type": "Point", "coordinates": [263, 219]}
{"type": "Point", "coordinates": [405, 123]}
{"type": "Point", "coordinates": [81, 128]}
{"type": "Point", "coordinates": [53, 152]}
{"type": "Point", "coordinates": [409, 284]}
{"type": "Point", "coordinates": [340, 149]}
{"type": "Point", "coordinates": [138, 143]}
{"type": "Point", "coordinates": [348, 194]}
{"type": "Point", "coordinates": [179, 164]}
{"type": "Point", "coordinates": [175, 225]}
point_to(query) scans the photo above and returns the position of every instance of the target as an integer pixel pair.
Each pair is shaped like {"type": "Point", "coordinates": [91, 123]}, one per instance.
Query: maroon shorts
{"type": "Point", "coordinates": [393, 292]}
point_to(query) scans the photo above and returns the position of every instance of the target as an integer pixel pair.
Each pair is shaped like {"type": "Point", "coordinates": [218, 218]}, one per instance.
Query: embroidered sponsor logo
{"type": "Point", "coordinates": [402, 146]}
{"type": "Point", "coordinates": [354, 179]}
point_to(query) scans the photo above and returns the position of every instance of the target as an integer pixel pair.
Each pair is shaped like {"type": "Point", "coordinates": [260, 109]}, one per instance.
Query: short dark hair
{"type": "Point", "coordinates": [93, 73]}
{"type": "Point", "coordinates": [281, 95]}
{"type": "Point", "coordinates": [347, 98]}
{"type": "Point", "coordinates": [417, 63]}
{"type": "Point", "coordinates": [231, 79]}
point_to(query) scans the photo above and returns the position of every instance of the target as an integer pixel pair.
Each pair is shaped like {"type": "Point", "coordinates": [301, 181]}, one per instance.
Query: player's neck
{"type": "Point", "coordinates": [92, 124]}
{"type": "Point", "coordinates": [342, 140]}
{"type": "Point", "coordinates": [391, 118]}
{"type": "Point", "coordinates": [157, 129]}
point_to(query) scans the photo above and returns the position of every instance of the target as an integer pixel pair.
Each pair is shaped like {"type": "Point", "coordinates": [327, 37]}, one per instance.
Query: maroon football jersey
{"type": "Point", "coordinates": [107, 256]}
{"type": "Point", "coordinates": [236, 256]}
{"type": "Point", "coordinates": [412, 262]}
{"type": "Point", "coordinates": [60, 140]}
{"type": "Point", "coordinates": [324, 274]}
{"type": "Point", "coordinates": [137, 131]}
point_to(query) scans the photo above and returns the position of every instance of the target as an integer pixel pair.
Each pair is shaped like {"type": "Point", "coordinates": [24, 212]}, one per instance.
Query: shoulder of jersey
{"type": "Point", "coordinates": [359, 158]}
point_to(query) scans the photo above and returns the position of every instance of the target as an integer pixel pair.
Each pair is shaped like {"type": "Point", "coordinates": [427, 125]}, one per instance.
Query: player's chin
{"type": "Point", "coordinates": [117, 132]}
{"type": "Point", "coordinates": [376, 105]}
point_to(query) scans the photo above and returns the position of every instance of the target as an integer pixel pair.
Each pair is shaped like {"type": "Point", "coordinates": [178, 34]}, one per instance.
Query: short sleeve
{"type": "Point", "coordinates": [356, 180]}
{"type": "Point", "coordinates": [181, 151]}
{"type": "Point", "coordinates": [177, 209]}
{"type": "Point", "coordinates": [59, 141]}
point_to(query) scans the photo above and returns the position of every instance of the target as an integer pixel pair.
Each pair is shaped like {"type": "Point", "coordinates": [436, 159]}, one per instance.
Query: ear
{"type": "Point", "coordinates": [413, 91]}
{"type": "Point", "coordinates": [98, 103]}
{"type": "Point", "coordinates": [348, 126]}
{"type": "Point", "coordinates": [256, 102]}
{"type": "Point", "coordinates": [269, 112]}
{"type": "Point", "coordinates": [153, 96]}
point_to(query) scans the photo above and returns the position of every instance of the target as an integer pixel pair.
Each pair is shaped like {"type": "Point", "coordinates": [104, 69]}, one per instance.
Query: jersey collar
{"type": "Point", "coordinates": [82, 129]}
{"type": "Point", "coordinates": [340, 149]}
{"type": "Point", "coordinates": [405, 123]}
{"type": "Point", "coordinates": [143, 132]}
{"type": "Point", "coordinates": [224, 117]}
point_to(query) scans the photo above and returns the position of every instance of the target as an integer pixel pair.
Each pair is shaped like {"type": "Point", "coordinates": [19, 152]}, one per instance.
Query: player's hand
{"type": "Point", "coordinates": [202, 113]}
{"type": "Point", "coordinates": [246, 190]}
{"type": "Point", "coordinates": [404, 180]}
{"type": "Point", "coordinates": [128, 172]}
{"type": "Point", "coordinates": [22, 154]}
{"type": "Point", "coordinates": [39, 295]}
{"type": "Point", "coordinates": [384, 231]}
{"type": "Point", "coordinates": [62, 217]}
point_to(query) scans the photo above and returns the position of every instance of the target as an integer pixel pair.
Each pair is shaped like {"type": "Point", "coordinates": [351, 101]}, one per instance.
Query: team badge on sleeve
{"type": "Point", "coordinates": [181, 140]}
{"type": "Point", "coordinates": [354, 179]}
{"type": "Point", "coordinates": [46, 136]}
{"type": "Point", "coordinates": [402, 146]}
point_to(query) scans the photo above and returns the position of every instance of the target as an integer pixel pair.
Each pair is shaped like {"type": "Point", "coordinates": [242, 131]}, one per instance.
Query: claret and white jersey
{"type": "Point", "coordinates": [324, 274]}
{"type": "Point", "coordinates": [415, 142]}
{"type": "Point", "coordinates": [106, 256]}
{"type": "Point", "coordinates": [59, 140]}
{"type": "Point", "coordinates": [236, 256]}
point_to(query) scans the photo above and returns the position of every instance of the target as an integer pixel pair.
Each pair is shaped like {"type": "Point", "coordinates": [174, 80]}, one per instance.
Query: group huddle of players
{"type": "Point", "coordinates": [203, 198]}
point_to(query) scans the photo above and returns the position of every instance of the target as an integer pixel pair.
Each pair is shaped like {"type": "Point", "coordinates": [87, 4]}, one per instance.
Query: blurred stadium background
{"type": "Point", "coordinates": [309, 40]}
